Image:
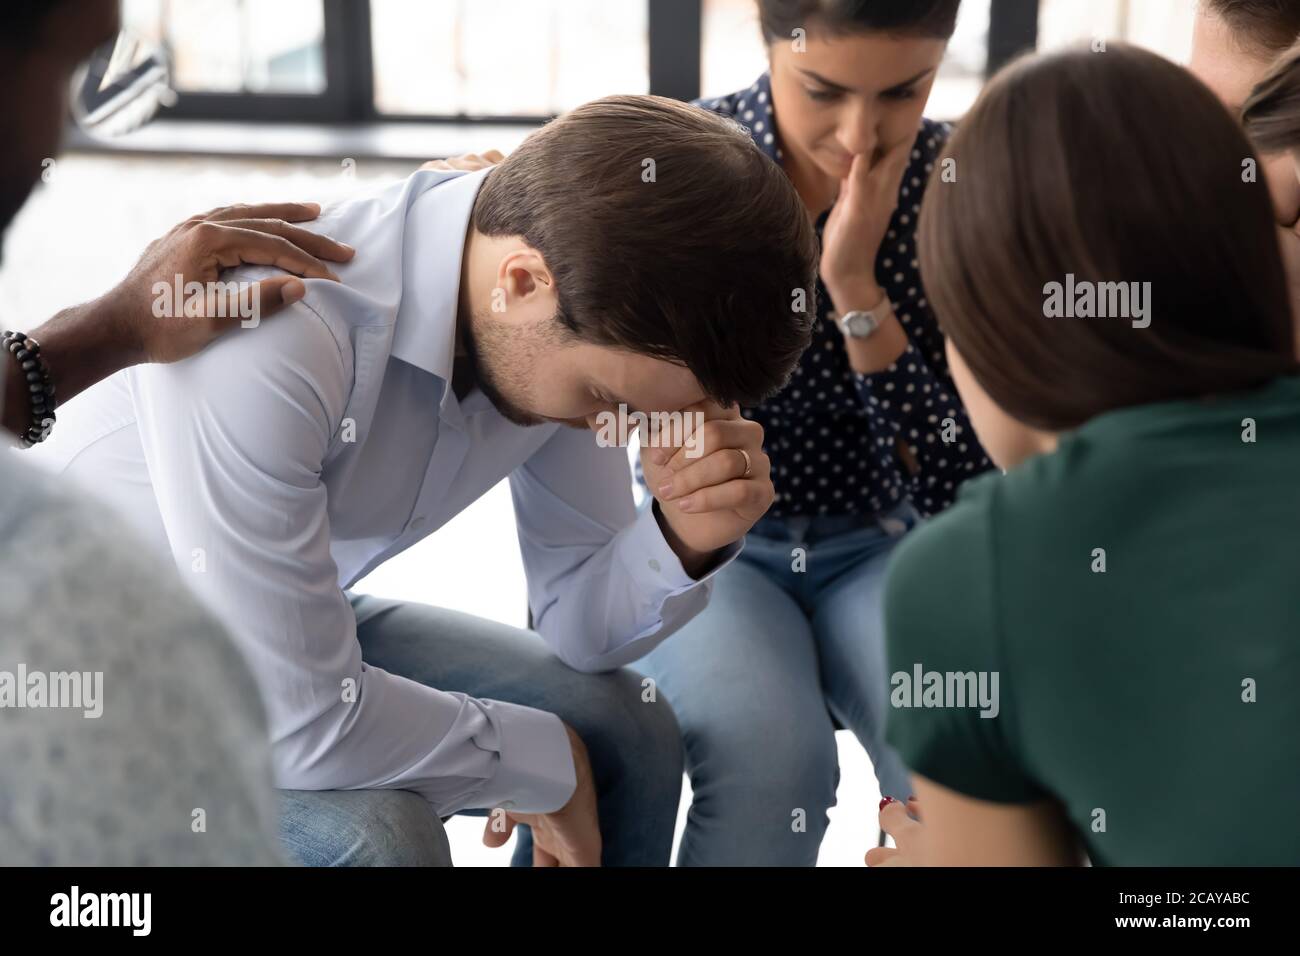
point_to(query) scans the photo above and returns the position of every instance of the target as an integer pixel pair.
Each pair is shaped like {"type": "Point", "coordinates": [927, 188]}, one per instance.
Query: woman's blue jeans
{"type": "Point", "coordinates": [790, 645]}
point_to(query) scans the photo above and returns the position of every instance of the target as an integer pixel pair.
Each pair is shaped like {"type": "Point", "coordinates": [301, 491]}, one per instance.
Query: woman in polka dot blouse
{"type": "Point", "coordinates": [868, 437]}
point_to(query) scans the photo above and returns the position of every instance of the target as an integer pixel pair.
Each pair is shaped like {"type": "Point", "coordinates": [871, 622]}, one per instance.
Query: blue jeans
{"type": "Point", "coordinates": [634, 746]}
{"type": "Point", "coordinates": [760, 679]}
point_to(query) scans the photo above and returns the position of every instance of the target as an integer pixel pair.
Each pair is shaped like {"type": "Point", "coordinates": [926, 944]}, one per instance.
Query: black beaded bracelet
{"type": "Point", "coordinates": [40, 388]}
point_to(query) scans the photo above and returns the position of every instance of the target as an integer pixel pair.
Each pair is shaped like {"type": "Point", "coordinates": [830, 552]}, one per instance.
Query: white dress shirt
{"type": "Point", "coordinates": [285, 462]}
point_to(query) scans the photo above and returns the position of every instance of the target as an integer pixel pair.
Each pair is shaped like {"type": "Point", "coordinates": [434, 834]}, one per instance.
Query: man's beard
{"type": "Point", "coordinates": [485, 362]}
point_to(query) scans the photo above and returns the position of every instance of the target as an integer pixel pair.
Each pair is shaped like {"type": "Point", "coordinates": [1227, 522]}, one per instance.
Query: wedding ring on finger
{"type": "Point", "coordinates": [748, 464]}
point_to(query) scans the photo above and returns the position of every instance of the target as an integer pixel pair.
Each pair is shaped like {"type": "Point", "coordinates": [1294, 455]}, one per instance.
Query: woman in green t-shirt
{"type": "Point", "coordinates": [1097, 652]}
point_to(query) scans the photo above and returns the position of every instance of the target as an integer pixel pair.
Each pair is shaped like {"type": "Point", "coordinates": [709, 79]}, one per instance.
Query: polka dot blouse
{"type": "Point", "coordinates": [836, 438]}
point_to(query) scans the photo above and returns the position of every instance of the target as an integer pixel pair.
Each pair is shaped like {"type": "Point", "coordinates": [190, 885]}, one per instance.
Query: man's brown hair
{"type": "Point", "coordinates": [1113, 167]}
{"type": "Point", "coordinates": [1272, 112]}
{"type": "Point", "coordinates": [1266, 27]}
{"type": "Point", "coordinates": [669, 234]}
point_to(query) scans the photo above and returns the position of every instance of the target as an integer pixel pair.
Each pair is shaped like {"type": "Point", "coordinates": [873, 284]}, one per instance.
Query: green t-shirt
{"type": "Point", "coordinates": [1157, 700]}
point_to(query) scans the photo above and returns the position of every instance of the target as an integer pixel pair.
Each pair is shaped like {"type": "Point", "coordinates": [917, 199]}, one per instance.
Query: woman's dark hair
{"type": "Point", "coordinates": [1265, 26]}
{"type": "Point", "coordinates": [1272, 113]}
{"type": "Point", "coordinates": [925, 18]}
{"type": "Point", "coordinates": [1115, 167]}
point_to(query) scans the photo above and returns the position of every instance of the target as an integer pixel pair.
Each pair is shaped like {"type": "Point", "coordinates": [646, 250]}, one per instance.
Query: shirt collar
{"type": "Point", "coordinates": [437, 220]}
{"type": "Point", "coordinates": [753, 109]}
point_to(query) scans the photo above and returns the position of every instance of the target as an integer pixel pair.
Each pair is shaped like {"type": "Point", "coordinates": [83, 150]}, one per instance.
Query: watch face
{"type": "Point", "coordinates": [860, 324]}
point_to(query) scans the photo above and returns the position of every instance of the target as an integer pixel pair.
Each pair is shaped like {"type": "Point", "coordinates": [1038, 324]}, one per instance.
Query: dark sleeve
{"type": "Point", "coordinates": [941, 618]}
{"type": "Point", "coordinates": [915, 399]}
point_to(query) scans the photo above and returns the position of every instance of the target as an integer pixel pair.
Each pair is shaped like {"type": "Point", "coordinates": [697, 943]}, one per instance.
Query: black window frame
{"type": "Point", "coordinates": [347, 80]}
{"type": "Point", "coordinates": [675, 40]}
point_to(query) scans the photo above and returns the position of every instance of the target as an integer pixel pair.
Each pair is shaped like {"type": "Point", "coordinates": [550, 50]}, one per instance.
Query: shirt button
{"type": "Point", "coordinates": [654, 565]}
{"type": "Point", "coordinates": [507, 804]}
{"type": "Point", "coordinates": [417, 521]}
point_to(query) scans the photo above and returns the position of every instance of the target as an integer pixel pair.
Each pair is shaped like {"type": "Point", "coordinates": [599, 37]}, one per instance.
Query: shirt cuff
{"type": "Point", "coordinates": [536, 773]}
{"type": "Point", "coordinates": [910, 355]}
{"type": "Point", "coordinates": [656, 565]}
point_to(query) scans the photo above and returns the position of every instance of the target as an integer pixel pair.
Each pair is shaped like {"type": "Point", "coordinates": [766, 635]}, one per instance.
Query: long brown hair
{"type": "Point", "coordinates": [1272, 113]}
{"type": "Point", "coordinates": [1263, 27]}
{"type": "Point", "coordinates": [1115, 166]}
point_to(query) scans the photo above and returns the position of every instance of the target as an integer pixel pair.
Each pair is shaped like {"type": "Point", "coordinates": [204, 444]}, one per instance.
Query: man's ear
{"type": "Point", "coordinates": [524, 276]}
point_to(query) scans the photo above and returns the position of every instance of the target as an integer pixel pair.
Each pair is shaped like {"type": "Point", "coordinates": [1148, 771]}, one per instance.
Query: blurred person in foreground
{"type": "Point", "coordinates": [131, 731]}
{"type": "Point", "coordinates": [1124, 596]}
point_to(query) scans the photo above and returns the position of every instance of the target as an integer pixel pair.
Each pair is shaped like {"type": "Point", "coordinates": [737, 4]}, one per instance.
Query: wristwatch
{"type": "Point", "coordinates": [860, 324]}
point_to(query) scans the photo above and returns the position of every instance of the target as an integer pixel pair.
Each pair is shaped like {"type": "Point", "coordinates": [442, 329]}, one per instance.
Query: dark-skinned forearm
{"type": "Point", "coordinates": [81, 346]}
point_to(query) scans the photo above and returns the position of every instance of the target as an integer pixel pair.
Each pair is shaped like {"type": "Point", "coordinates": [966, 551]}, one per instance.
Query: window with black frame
{"type": "Point", "coordinates": [505, 61]}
